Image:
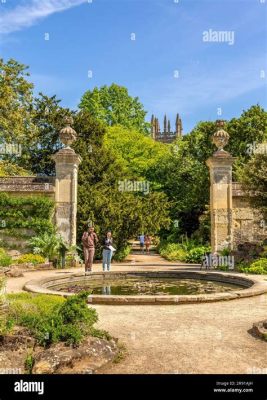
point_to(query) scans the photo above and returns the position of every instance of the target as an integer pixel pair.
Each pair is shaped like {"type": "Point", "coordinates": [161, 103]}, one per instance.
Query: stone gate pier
{"type": "Point", "coordinates": [67, 163]}
{"type": "Point", "coordinates": [61, 188]}
{"type": "Point", "coordinates": [221, 207]}
{"type": "Point", "coordinates": [233, 220]}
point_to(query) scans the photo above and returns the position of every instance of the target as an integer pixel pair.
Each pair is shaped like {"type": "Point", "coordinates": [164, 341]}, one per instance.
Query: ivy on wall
{"type": "Point", "coordinates": [22, 217]}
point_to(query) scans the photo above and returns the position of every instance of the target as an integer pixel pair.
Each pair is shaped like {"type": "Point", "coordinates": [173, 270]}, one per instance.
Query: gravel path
{"type": "Point", "coordinates": [200, 338]}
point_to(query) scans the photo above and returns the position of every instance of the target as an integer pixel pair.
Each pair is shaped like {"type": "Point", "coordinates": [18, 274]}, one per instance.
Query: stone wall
{"type": "Point", "coordinates": [28, 185]}
{"type": "Point", "coordinates": [248, 223]}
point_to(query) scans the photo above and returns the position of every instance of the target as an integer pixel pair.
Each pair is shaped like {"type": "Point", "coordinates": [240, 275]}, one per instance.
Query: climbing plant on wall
{"type": "Point", "coordinates": [21, 217]}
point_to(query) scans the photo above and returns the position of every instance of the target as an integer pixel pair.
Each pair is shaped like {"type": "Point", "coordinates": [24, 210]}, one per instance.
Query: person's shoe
{"type": "Point", "coordinates": [88, 271]}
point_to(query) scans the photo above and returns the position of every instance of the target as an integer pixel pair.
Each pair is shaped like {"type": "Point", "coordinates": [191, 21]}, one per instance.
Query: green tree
{"type": "Point", "coordinates": [47, 116]}
{"type": "Point", "coordinates": [184, 179]}
{"type": "Point", "coordinates": [114, 106]}
{"type": "Point", "coordinates": [99, 197]}
{"type": "Point", "coordinates": [248, 129]}
{"type": "Point", "coordinates": [9, 169]}
{"type": "Point", "coordinates": [245, 133]}
{"type": "Point", "coordinates": [32, 122]}
{"type": "Point", "coordinates": [16, 96]}
{"type": "Point", "coordinates": [253, 176]}
{"type": "Point", "coordinates": [136, 153]}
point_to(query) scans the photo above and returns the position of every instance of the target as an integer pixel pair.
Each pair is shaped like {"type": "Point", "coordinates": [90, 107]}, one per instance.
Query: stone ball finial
{"type": "Point", "coordinates": [67, 134]}
{"type": "Point", "coordinates": [220, 138]}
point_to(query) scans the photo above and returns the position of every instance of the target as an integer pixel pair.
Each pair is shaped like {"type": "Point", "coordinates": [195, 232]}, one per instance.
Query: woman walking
{"type": "Point", "coordinates": [147, 243]}
{"type": "Point", "coordinates": [107, 251]}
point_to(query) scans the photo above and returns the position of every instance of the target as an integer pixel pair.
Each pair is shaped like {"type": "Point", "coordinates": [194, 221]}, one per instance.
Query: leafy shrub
{"type": "Point", "coordinates": [5, 260]}
{"type": "Point", "coordinates": [47, 245]}
{"type": "Point", "coordinates": [29, 362]}
{"type": "Point", "coordinates": [51, 319]}
{"type": "Point", "coordinates": [75, 309]}
{"type": "Point", "coordinates": [173, 252]}
{"type": "Point", "coordinates": [155, 240]}
{"type": "Point", "coordinates": [121, 254]}
{"type": "Point", "coordinates": [263, 254]}
{"type": "Point", "coordinates": [188, 250]}
{"type": "Point", "coordinates": [225, 252]}
{"type": "Point", "coordinates": [190, 243]}
{"type": "Point", "coordinates": [253, 270]}
{"type": "Point", "coordinates": [34, 304]}
{"type": "Point", "coordinates": [30, 259]}
{"type": "Point", "coordinates": [196, 254]}
{"type": "Point", "coordinates": [5, 325]}
{"type": "Point", "coordinates": [262, 262]}
{"type": "Point", "coordinates": [258, 267]}
{"type": "Point", "coordinates": [101, 334]}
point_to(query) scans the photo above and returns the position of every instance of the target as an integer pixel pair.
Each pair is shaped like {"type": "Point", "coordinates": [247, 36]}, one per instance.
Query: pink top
{"type": "Point", "coordinates": [89, 239]}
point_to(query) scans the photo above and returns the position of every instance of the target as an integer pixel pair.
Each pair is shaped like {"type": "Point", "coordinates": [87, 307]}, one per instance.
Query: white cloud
{"type": "Point", "coordinates": [27, 14]}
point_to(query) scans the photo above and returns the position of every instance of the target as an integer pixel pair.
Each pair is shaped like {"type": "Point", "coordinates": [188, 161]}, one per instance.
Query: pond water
{"type": "Point", "coordinates": [149, 286]}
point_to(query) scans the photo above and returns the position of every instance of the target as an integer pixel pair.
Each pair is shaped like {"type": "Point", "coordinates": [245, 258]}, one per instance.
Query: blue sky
{"type": "Point", "coordinates": [96, 35]}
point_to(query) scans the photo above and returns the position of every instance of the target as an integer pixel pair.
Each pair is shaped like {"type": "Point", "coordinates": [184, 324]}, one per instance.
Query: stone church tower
{"type": "Point", "coordinates": [166, 136]}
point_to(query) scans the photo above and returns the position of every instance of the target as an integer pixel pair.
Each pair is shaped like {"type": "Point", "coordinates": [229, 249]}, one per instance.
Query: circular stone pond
{"type": "Point", "coordinates": [161, 287]}
{"type": "Point", "coordinates": [146, 286]}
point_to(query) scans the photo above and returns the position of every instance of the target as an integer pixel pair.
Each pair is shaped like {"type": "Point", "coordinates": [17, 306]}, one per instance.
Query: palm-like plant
{"type": "Point", "coordinates": [64, 249]}
{"type": "Point", "coordinates": [47, 245]}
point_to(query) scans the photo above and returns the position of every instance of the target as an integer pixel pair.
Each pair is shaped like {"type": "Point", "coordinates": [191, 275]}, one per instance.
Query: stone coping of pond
{"type": "Point", "coordinates": [250, 287]}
